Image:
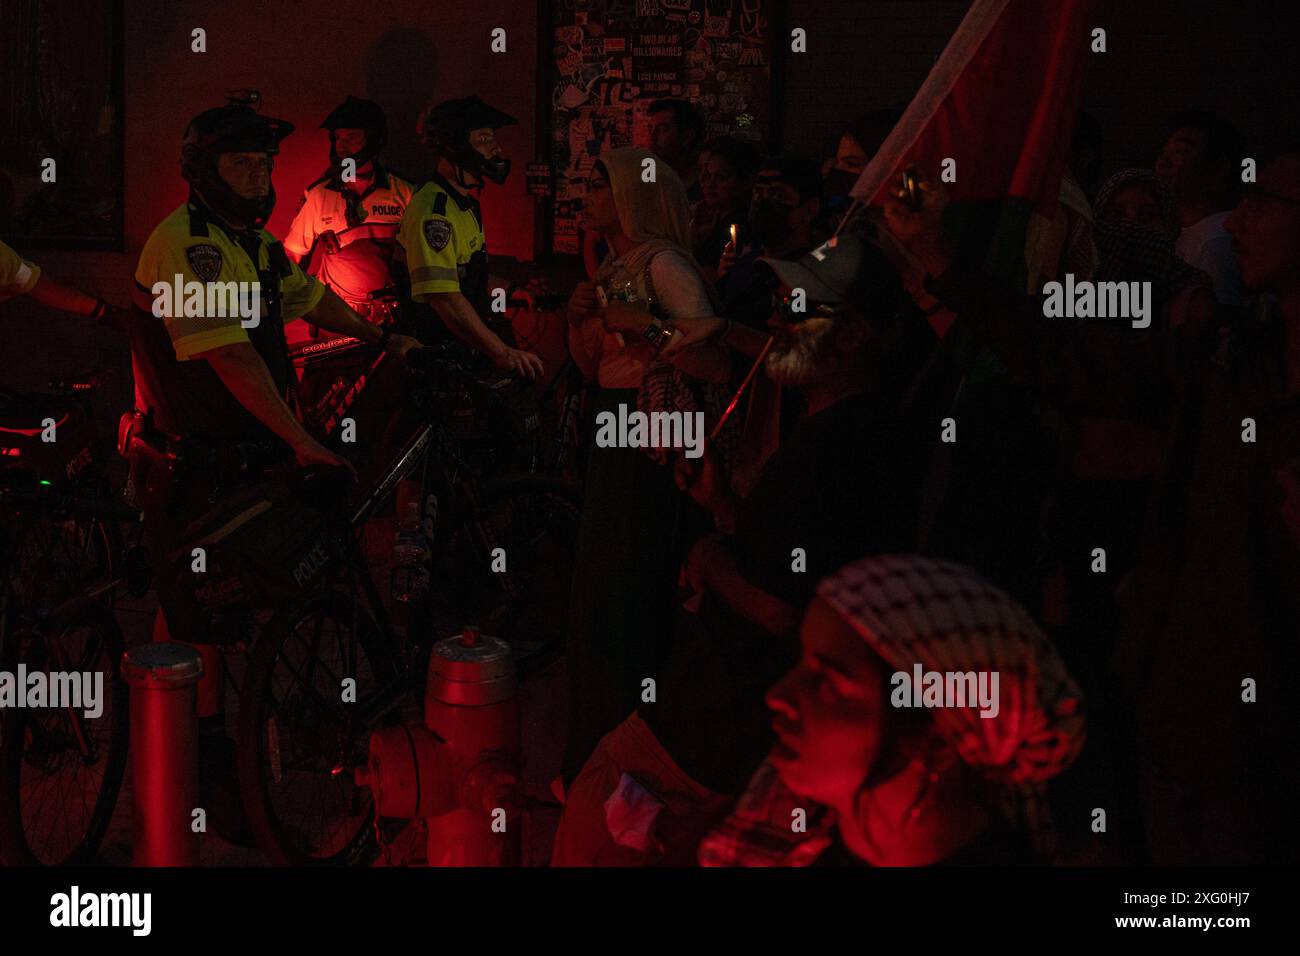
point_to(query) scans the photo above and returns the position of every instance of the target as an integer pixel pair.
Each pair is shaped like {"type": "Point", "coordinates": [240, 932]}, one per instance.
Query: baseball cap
{"type": "Point", "coordinates": [844, 270]}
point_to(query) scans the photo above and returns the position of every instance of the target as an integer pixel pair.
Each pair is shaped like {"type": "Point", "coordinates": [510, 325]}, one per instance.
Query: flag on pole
{"type": "Point", "coordinates": [994, 118]}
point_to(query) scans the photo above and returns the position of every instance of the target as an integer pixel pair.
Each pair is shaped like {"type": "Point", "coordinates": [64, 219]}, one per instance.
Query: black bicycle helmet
{"type": "Point", "coordinates": [356, 113]}
{"type": "Point", "coordinates": [236, 127]}
{"type": "Point", "coordinates": [445, 129]}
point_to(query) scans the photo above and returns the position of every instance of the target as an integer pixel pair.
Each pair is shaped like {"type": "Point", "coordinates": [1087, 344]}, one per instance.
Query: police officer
{"type": "Point", "coordinates": [217, 382]}
{"type": "Point", "coordinates": [442, 230]}
{"type": "Point", "coordinates": [345, 232]}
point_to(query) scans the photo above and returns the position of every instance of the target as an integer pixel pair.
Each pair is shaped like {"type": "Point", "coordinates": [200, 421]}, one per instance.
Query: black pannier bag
{"type": "Point", "coordinates": [262, 546]}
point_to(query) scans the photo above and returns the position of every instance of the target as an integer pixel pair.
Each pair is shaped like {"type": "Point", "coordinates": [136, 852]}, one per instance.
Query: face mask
{"type": "Point", "coordinates": [838, 182]}
{"type": "Point", "coordinates": [770, 220]}
{"type": "Point", "coordinates": [495, 169]}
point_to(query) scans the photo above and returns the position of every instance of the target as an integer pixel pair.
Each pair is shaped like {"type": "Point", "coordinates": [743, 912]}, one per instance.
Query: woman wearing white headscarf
{"type": "Point", "coordinates": [630, 540]}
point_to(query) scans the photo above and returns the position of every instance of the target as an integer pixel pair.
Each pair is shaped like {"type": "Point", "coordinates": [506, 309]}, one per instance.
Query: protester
{"type": "Point", "coordinates": [845, 483]}
{"type": "Point", "coordinates": [1201, 160]}
{"type": "Point", "coordinates": [676, 135]}
{"type": "Point", "coordinates": [990, 478]}
{"type": "Point", "coordinates": [853, 150]}
{"type": "Point", "coordinates": [785, 205]}
{"type": "Point", "coordinates": [726, 180]}
{"type": "Point", "coordinates": [629, 545]}
{"type": "Point", "coordinates": [960, 784]}
{"type": "Point", "coordinates": [1125, 396]}
{"type": "Point", "coordinates": [1207, 647]}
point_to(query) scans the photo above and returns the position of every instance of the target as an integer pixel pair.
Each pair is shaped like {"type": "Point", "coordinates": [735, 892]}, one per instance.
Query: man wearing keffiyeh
{"type": "Point", "coordinates": [906, 787]}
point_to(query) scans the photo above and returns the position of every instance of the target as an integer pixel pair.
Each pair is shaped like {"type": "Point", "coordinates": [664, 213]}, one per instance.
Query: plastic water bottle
{"type": "Point", "coordinates": [412, 556]}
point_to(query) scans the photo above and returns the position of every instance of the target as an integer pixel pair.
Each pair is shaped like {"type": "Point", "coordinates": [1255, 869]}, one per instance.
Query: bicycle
{"type": "Point", "coordinates": [49, 752]}
{"type": "Point", "coordinates": [299, 740]}
{"type": "Point", "coordinates": [88, 552]}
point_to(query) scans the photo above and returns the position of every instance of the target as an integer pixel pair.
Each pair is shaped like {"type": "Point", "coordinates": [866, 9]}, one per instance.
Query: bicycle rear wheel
{"type": "Point", "coordinates": [300, 741]}
{"type": "Point", "coordinates": [60, 771]}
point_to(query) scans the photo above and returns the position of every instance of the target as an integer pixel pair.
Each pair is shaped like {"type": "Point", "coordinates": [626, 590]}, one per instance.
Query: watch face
{"type": "Point", "coordinates": [652, 333]}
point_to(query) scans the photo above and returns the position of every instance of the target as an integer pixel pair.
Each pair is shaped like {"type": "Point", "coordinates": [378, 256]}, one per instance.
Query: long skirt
{"type": "Point", "coordinates": [624, 586]}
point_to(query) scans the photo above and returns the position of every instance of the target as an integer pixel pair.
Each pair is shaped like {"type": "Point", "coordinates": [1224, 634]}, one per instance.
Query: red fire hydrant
{"type": "Point", "coordinates": [461, 771]}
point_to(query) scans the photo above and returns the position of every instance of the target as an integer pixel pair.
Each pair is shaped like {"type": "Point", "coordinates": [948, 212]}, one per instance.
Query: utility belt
{"type": "Point", "coordinates": [158, 462]}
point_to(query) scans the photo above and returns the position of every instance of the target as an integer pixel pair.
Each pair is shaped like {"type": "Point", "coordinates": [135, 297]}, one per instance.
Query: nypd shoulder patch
{"type": "Point", "coordinates": [437, 233]}
{"type": "Point", "coordinates": [205, 259]}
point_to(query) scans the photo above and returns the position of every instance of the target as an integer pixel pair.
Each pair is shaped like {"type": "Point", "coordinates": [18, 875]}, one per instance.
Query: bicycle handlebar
{"type": "Point", "coordinates": [433, 360]}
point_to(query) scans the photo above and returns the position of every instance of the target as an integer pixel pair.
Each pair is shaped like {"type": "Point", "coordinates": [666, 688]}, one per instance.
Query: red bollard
{"type": "Point", "coordinates": [164, 751]}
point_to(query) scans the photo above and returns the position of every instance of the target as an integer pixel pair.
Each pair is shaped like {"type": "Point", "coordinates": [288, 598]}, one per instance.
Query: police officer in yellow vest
{"type": "Point", "coordinates": [442, 230]}
{"type": "Point", "coordinates": [224, 378]}
{"type": "Point", "coordinates": [215, 380]}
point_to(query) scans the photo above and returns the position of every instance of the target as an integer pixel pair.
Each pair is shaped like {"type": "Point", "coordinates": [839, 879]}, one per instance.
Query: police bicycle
{"type": "Point", "coordinates": [61, 766]}
{"type": "Point", "coordinates": [53, 436]}
{"type": "Point", "coordinates": [332, 667]}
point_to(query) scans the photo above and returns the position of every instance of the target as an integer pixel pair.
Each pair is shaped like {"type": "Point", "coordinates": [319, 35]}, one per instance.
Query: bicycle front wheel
{"type": "Point", "coordinates": [303, 731]}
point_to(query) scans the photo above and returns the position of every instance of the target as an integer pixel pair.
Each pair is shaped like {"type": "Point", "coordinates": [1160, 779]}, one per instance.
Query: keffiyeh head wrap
{"type": "Point", "coordinates": [1132, 252]}
{"type": "Point", "coordinates": [915, 610]}
{"type": "Point", "coordinates": [1161, 190]}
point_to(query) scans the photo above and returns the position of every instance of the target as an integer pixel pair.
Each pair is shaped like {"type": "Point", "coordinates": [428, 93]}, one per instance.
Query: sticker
{"type": "Point", "coordinates": [437, 233]}
{"type": "Point", "coordinates": [205, 260]}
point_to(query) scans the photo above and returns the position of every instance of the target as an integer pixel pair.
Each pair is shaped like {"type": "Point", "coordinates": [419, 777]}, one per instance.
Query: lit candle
{"type": "Point", "coordinates": [733, 233]}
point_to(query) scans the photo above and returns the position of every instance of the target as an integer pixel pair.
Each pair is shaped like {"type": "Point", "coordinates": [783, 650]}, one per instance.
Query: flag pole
{"type": "Point", "coordinates": [735, 399]}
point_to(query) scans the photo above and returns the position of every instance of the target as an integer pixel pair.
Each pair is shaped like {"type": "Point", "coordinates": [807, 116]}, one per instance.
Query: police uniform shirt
{"type": "Point", "coordinates": [187, 395]}
{"type": "Point", "coordinates": [17, 275]}
{"type": "Point", "coordinates": [442, 237]}
{"type": "Point", "coordinates": [366, 247]}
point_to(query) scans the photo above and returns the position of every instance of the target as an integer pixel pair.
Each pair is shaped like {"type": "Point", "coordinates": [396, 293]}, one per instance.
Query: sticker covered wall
{"type": "Point", "coordinates": [611, 58]}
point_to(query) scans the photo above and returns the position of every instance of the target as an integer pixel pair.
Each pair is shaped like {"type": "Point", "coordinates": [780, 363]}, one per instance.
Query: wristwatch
{"type": "Point", "coordinates": [656, 334]}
